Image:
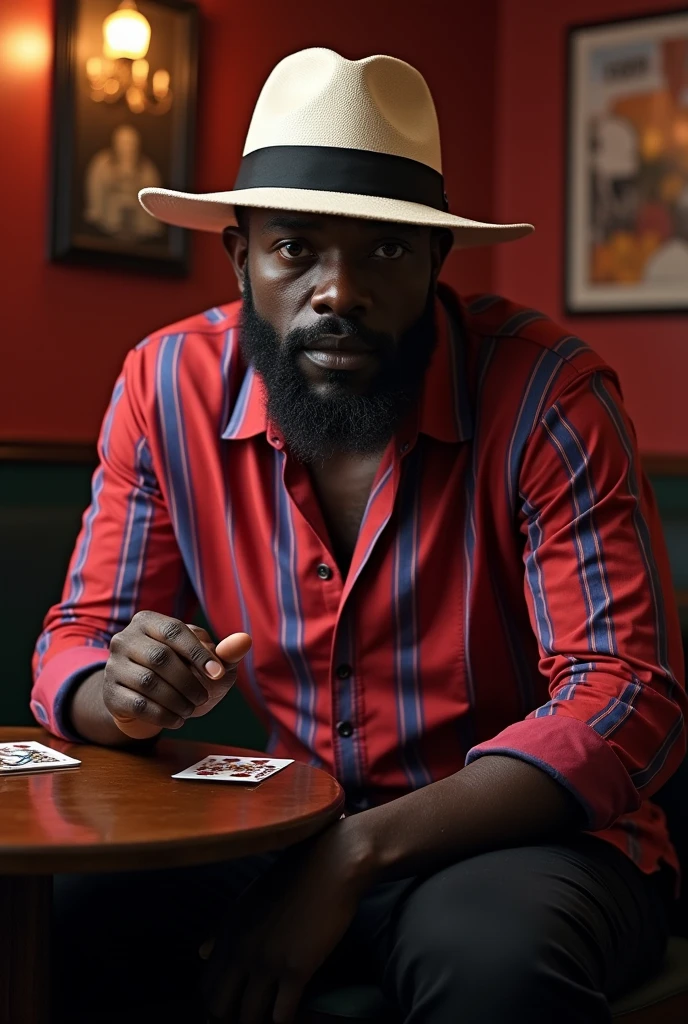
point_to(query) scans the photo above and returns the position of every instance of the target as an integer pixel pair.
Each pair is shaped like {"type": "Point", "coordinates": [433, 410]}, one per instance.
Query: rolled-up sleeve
{"type": "Point", "coordinates": [126, 557]}
{"type": "Point", "coordinates": [598, 587]}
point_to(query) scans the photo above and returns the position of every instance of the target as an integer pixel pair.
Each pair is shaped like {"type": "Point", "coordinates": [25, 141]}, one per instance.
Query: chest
{"type": "Point", "coordinates": [343, 487]}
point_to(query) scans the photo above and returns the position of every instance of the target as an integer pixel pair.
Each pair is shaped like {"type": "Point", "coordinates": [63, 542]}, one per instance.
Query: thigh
{"type": "Point", "coordinates": [126, 944]}
{"type": "Point", "coordinates": [532, 933]}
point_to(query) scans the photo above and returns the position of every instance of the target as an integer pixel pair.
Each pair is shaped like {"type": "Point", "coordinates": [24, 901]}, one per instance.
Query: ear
{"type": "Point", "coordinates": [441, 244]}
{"type": "Point", "coordinates": [236, 247]}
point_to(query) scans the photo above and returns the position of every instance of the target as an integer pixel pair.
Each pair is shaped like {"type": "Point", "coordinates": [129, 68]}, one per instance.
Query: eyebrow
{"type": "Point", "coordinates": [287, 223]}
{"type": "Point", "coordinates": [291, 223]}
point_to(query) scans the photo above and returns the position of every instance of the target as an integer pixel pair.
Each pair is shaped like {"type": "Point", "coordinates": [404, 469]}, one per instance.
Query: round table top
{"type": "Point", "coordinates": [120, 810]}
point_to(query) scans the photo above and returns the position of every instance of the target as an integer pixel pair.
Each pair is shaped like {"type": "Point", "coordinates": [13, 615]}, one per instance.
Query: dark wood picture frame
{"type": "Point", "coordinates": [70, 240]}
{"type": "Point", "coordinates": [575, 305]}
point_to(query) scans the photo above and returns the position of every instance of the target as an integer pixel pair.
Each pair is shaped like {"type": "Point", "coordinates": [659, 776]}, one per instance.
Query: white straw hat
{"type": "Point", "coordinates": [356, 138]}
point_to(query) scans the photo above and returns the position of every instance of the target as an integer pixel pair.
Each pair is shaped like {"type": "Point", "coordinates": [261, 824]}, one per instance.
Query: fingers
{"type": "Point", "coordinates": [135, 729]}
{"type": "Point", "coordinates": [224, 1000]}
{"type": "Point", "coordinates": [202, 634]}
{"type": "Point", "coordinates": [232, 649]}
{"type": "Point", "coordinates": [287, 1001]}
{"type": "Point", "coordinates": [142, 682]}
{"type": "Point", "coordinates": [162, 671]}
{"type": "Point", "coordinates": [181, 639]}
{"type": "Point", "coordinates": [155, 672]}
{"type": "Point", "coordinates": [165, 665]}
{"type": "Point", "coordinates": [129, 707]}
{"type": "Point", "coordinates": [257, 1001]}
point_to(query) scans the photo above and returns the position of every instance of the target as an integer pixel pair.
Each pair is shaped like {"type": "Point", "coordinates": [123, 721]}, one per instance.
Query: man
{"type": "Point", "coordinates": [428, 517]}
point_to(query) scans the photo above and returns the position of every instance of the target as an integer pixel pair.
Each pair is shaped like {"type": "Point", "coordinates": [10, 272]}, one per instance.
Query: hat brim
{"type": "Point", "coordinates": [213, 211]}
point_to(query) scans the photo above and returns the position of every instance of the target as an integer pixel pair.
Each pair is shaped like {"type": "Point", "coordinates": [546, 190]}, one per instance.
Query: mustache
{"type": "Point", "coordinates": [307, 337]}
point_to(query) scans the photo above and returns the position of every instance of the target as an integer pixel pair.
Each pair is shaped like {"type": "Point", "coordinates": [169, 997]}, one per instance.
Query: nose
{"type": "Point", "coordinates": [340, 291]}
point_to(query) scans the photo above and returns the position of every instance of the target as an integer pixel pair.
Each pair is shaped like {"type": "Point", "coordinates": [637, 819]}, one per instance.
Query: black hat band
{"type": "Point", "coordinates": [331, 169]}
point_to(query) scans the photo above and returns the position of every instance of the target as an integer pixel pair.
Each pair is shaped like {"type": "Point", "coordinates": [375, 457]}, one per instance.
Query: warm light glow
{"type": "Point", "coordinates": [94, 67]}
{"type": "Point", "coordinates": [26, 48]}
{"type": "Point", "coordinates": [135, 100]}
{"type": "Point", "coordinates": [681, 132]}
{"type": "Point", "coordinates": [122, 72]}
{"type": "Point", "coordinates": [126, 33]}
{"type": "Point", "coordinates": [652, 143]}
{"type": "Point", "coordinates": [161, 83]}
{"type": "Point", "coordinates": [139, 72]}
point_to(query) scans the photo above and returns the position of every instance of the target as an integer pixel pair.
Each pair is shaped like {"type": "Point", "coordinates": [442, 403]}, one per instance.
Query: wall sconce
{"type": "Point", "coordinates": [122, 72]}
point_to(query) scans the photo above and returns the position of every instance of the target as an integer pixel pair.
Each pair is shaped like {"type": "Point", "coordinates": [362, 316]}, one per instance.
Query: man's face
{"type": "Point", "coordinates": [338, 320]}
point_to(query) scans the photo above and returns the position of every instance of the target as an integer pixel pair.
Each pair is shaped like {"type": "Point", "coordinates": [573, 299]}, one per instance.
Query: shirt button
{"type": "Point", "coordinates": [324, 571]}
{"type": "Point", "coordinates": [344, 671]}
{"type": "Point", "coordinates": [345, 729]}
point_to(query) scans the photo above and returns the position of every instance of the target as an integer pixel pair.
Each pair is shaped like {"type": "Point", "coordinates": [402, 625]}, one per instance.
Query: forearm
{"type": "Point", "coordinates": [91, 719]}
{"type": "Point", "coordinates": [494, 802]}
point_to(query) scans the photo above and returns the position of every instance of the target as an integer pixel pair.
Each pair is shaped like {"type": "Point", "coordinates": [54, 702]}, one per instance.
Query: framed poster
{"type": "Point", "coordinates": [123, 119]}
{"type": "Point", "coordinates": [626, 235]}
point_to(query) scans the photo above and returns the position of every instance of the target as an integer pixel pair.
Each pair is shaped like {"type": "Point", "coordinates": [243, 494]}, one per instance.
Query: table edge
{"type": "Point", "coordinates": [89, 859]}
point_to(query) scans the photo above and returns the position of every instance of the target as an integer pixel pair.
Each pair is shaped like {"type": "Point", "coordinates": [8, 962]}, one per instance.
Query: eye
{"type": "Point", "coordinates": [390, 251]}
{"type": "Point", "coordinates": [293, 250]}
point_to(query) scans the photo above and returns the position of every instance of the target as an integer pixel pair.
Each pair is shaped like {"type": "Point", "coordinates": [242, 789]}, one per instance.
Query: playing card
{"type": "Point", "coordinates": [32, 757]}
{"type": "Point", "coordinates": [223, 768]}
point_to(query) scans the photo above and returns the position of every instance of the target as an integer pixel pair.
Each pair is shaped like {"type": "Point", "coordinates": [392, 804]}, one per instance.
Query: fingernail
{"type": "Point", "coordinates": [213, 669]}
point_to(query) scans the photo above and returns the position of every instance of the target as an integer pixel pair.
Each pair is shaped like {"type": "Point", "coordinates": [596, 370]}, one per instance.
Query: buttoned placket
{"type": "Point", "coordinates": [348, 736]}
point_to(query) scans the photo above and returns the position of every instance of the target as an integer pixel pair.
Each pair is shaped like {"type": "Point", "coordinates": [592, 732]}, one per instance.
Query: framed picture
{"type": "Point", "coordinates": [626, 232]}
{"type": "Point", "coordinates": [123, 119]}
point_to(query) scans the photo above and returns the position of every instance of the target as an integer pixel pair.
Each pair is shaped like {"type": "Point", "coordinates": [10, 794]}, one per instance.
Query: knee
{"type": "Point", "coordinates": [465, 962]}
{"type": "Point", "coordinates": [448, 958]}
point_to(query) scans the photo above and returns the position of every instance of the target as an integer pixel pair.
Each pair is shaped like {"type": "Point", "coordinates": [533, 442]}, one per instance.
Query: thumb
{"type": "Point", "coordinates": [233, 648]}
{"type": "Point", "coordinates": [230, 651]}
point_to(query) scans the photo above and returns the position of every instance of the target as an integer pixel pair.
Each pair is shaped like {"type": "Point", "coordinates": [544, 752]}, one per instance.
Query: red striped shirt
{"type": "Point", "coordinates": [509, 591]}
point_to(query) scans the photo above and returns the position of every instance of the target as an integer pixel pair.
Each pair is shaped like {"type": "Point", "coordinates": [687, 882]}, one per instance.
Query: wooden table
{"type": "Point", "coordinates": [122, 811]}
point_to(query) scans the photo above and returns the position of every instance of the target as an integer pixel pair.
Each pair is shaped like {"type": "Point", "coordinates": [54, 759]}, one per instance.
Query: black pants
{"type": "Point", "coordinates": [538, 934]}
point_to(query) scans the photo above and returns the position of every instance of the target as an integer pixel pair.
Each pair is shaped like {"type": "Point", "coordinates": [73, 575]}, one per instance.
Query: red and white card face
{"type": "Point", "coordinates": [226, 768]}
{"type": "Point", "coordinates": [19, 758]}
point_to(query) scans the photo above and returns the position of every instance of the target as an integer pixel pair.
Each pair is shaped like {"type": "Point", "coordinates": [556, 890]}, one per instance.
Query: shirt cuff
{"type": "Point", "coordinates": [576, 757]}
{"type": "Point", "coordinates": [53, 687]}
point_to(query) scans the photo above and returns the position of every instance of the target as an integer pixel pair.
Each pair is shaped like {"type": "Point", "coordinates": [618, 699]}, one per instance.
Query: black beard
{"type": "Point", "coordinates": [316, 427]}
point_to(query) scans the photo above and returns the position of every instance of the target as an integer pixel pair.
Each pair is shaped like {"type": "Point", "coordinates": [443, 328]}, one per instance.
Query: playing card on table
{"type": "Point", "coordinates": [226, 768]}
{"type": "Point", "coordinates": [16, 758]}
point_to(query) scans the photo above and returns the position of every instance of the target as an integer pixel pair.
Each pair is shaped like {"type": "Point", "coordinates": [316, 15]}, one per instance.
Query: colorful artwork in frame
{"type": "Point", "coordinates": [627, 166]}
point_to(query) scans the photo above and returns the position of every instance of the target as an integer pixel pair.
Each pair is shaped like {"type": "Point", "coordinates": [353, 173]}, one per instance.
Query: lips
{"type": "Point", "coordinates": [335, 343]}
{"type": "Point", "coordinates": [337, 359]}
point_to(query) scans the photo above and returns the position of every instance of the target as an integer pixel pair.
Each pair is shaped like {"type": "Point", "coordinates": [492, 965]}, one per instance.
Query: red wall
{"type": "Point", "coordinates": [66, 330]}
{"type": "Point", "coordinates": [650, 353]}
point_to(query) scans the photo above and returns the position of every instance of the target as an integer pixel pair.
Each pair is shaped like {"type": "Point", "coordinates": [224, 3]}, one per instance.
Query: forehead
{"type": "Point", "coordinates": [267, 222]}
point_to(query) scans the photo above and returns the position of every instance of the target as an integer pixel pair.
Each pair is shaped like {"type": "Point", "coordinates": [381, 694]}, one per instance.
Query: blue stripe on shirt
{"type": "Point", "coordinates": [592, 572]}
{"type": "Point", "coordinates": [409, 700]}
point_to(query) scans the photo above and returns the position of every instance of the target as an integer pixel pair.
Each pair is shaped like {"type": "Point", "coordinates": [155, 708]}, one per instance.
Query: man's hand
{"type": "Point", "coordinates": [285, 926]}
{"type": "Point", "coordinates": [162, 671]}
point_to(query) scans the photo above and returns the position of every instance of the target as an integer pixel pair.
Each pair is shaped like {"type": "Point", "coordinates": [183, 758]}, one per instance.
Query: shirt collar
{"type": "Point", "coordinates": [249, 416]}
{"type": "Point", "coordinates": [444, 407]}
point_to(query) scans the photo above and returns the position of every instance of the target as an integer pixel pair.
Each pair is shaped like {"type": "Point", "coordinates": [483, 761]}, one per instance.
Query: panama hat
{"type": "Point", "coordinates": [356, 138]}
